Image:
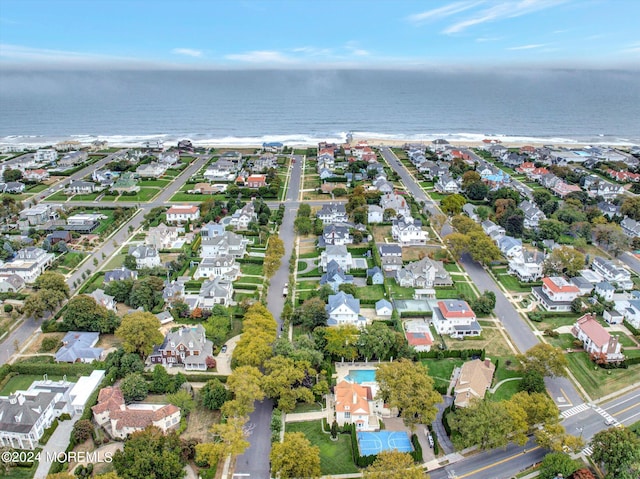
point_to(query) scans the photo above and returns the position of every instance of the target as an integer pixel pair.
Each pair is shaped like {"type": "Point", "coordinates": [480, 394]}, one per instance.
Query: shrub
{"type": "Point", "coordinates": [8, 308]}
{"type": "Point", "coordinates": [49, 344]}
{"type": "Point", "coordinates": [82, 430]}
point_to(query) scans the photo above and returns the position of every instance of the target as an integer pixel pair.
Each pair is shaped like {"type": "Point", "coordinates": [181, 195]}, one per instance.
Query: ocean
{"type": "Point", "coordinates": [251, 106]}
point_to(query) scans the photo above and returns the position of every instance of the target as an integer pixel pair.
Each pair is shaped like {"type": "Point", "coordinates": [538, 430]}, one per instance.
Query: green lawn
{"type": "Point", "coordinates": [116, 261]}
{"type": "Point", "coordinates": [599, 382]}
{"type": "Point", "coordinates": [158, 183]}
{"type": "Point", "coordinates": [310, 274]}
{"type": "Point", "coordinates": [37, 188]}
{"type": "Point", "coordinates": [505, 391]}
{"type": "Point", "coordinates": [466, 289]}
{"type": "Point", "coordinates": [624, 340]}
{"type": "Point", "coordinates": [373, 292]}
{"type": "Point", "coordinates": [249, 280]}
{"type": "Point", "coordinates": [441, 369]}
{"type": "Point", "coordinates": [552, 323]}
{"type": "Point", "coordinates": [23, 381]}
{"type": "Point", "coordinates": [70, 261]}
{"type": "Point", "coordinates": [188, 197]}
{"type": "Point", "coordinates": [87, 197]}
{"type": "Point", "coordinates": [399, 292]}
{"type": "Point", "coordinates": [22, 472]}
{"type": "Point", "coordinates": [310, 255]}
{"type": "Point", "coordinates": [145, 194]}
{"type": "Point", "coordinates": [564, 341]}
{"type": "Point", "coordinates": [452, 267]}
{"type": "Point", "coordinates": [308, 285]}
{"type": "Point", "coordinates": [447, 293]}
{"type": "Point", "coordinates": [335, 456]}
{"type": "Point", "coordinates": [59, 196]}
{"type": "Point", "coordinates": [511, 283]}
{"type": "Point", "coordinates": [251, 269]}
{"type": "Point", "coordinates": [436, 196]}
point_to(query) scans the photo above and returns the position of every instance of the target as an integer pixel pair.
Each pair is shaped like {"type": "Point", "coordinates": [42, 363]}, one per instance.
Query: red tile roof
{"type": "Point", "coordinates": [551, 285]}
{"type": "Point", "coordinates": [598, 335]}
{"type": "Point", "coordinates": [456, 309]}
{"type": "Point", "coordinates": [419, 339]}
{"type": "Point", "coordinates": [178, 209]}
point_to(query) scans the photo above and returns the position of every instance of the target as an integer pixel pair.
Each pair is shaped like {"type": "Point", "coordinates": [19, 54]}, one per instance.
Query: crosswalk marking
{"type": "Point", "coordinates": [587, 451]}
{"type": "Point", "coordinates": [574, 410]}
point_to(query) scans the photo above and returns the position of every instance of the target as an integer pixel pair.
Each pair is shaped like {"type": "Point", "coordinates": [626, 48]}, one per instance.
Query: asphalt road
{"type": "Point", "coordinates": [413, 188]}
{"type": "Point", "coordinates": [254, 463]}
{"type": "Point", "coordinates": [631, 261]}
{"type": "Point", "coordinates": [28, 327]}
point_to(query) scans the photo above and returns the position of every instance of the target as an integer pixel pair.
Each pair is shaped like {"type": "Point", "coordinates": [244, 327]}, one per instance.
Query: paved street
{"type": "Point", "coordinates": [631, 261]}
{"type": "Point", "coordinates": [254, 463]}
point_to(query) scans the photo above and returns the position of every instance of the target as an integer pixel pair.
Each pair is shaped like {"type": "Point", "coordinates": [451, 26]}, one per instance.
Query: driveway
{"type": "Point", "coordinates": [223, 360]}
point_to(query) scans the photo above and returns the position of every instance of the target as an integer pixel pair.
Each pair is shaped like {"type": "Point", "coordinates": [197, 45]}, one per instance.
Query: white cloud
{"type": "Point", "coordinates": [632, 48]}
{"type": "Point", "coordinates": [500, 11]}
{"type": "Point", "coordinates": [355, 50]}
{"type": "Point", "coordinates": [529, 47]}
{"type": "Point", "coordinates": [441, 12]}
{"type": "Point", "coordinates": [487, 39]}
{"type": "Point", "coordinates": [260, 56]}
{"type": "Point", "coordinates": [187, 52]}
{"type": "Point", "coordinates": [313, 51]}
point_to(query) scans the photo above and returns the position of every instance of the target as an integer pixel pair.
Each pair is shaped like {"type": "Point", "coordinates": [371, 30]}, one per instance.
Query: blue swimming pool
{"type": "Point", "coordinates": [362, 375]}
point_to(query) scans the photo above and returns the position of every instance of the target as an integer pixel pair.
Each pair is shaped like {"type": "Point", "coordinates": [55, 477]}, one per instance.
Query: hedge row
{"type": "Point", "coordinates": [451, 353]}
{"type": "Point", "coordinates": [251, 260]}
{"type": "Point", "coordinates": [416, 314]}
{"type": "Point", "coordinates": [192, 377]}
{"type": "Point", "coordinates": [416, 454]}
{"type": "Point", "coordinates": [361, 461]}
{"type": "Point", "coordinates": [631, 329]}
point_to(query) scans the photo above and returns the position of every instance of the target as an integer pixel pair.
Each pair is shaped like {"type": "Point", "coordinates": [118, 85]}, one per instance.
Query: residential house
{"type": "Point", "coordinates": [121, 274]}
{"type": "Point", "coordinates": [556, 293]}
{"type": "Point", "coordinates": [332, 213]}
{"type": "Point", "coordinates": [151, 170]}
{"type": "Point", "coordinates": [203, 189]}
{"type": "Point", "coordinates": [173, 290]}
{"type": "Point", "coordinates": [376, 275]}
{"type": "Point", "coordinates": [216, 291]}
{"type": "Point", "coordinates": [375, 214]}
{"type": "Point", "coordinates": [241, 218]}
{"type": "Point", "coordinates": [384, 308]}
{"type": "Point", "coordinates": [456, 319]}
{"type": "Point", "coordinates": [335, 276]}
{"type": "Point", "coordinates": [408, 231]}
{"type": "Point", "coordinates": [613, 316]}
{"type": "Point", "coordinates": [232, 156]}
{"type": "Point", "coordinates": [562, 189]}
{"type": "Point", "coordinates": [527, 265]}
{"type": "Point", "coordinates": [255, 181]}
{"type": "Point", "coordinates": [79, 347]}
{"type": "Point", "coordinates": [79, 187]}
{"type": "Point", "coordinates": [513, 160]}
{"type": "Point", "coordinates": [337, 253]}
{"type": "Point", "coordinates": [273, 147]}
{"type": "Point", "coordinates": [526, 167]}
{"type": "Point", "coordinates": [46, 156]}
{"type": "Point", "coordinates": [606, 290]}
{"type": "Point", "coordinates": [188, 347]}
{"type": "Point", "coordinates": [28, 263]}
{"type": "Point", "coordinates": [104, 299]}
{"type": "Point", "coordinates": [216, 243]}
{"type": "Point", "coordinates": [126, 183]}
{"type": "Point", "coordinates": [82, 219]}
{"type": "Point", "coordinates": [584, 285]}
{"type": "Point", "coordinates": [169, 158]}
{"type": "Point", "coordinates": [221, 170]}
{"type": "Point", "coordinates": [623, 176]}
{"type": "Point", "coordinates": [382, 185]}
{"type": "Point", "coordinates": [120, 420]}
{"type": "Point", "coordinates": [10, 283]}
{"type": "Point", "coordinates": [446, 184]}
{"type": "Point", "coordinates": [425, 273]}
{"type": "Point", "coordinates": [473, 381]}
{"type": "Point", "coordinates": [613, 272]}
{"type": "Point", "coordinates": [14, 187]}
{"type": "Point", "coordinates": [146, 256]}
{"type": "Point", "coordinates": [59, 235]}
{"type": "Point", "coordinates": [470, 211]}
{"type": "Point", "coordinates": [24, 415]}
{"type": "Point", "coordinates": [353, 405]}
{"type": "Point", "coordinates": [390, 257]}
{"type": "Point", "coordinates": [343, 309]}
{"type": "Point", "coordinates": [549, 180]}
{"type": "Point", "coordinates": [532, 214]}
{"type": "Point", "coordinates": [223, 266]}
{"type": "Point", "coordinates": [335, 235]}
{"type": "Point", "coordinates": [494, 231]}
{"type": "Point", "coordinates": [510, 246]}
{"type": "Point", "coordinates": [183, 213]}
{"type": "Point", "coordinates": [596, 340]}
{"type": "Point", "coordinates": [631, 227]}
{"type": "Point", "coordinates": [439, 145]}
{"type": "Point", "coordinates": [38, 215]}
{"type": "Point", "coordinates": [497, 180]}
{"type": "Point", "coordinates": [36, 175]}
{"type": "Point", "coordinates": [396, 202]}
{"type": "Point", "coordinates": [162, 236]}
{"type": "Point", "coordinates": [609, 209]}
{"type": "Point", "coordinates": [73, 158]}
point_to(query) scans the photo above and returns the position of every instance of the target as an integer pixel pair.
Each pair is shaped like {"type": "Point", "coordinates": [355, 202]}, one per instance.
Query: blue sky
{"type": "Point", "coordinates": [320, 33]}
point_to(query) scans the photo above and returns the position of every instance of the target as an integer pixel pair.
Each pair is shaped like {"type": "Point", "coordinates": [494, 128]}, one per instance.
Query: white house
{"type": "Point", "coordinates": [183, 213]}
{"type": "Point", "coordinates": [446, 184]}
{"type": "Point", "coordinates": [337, 253]}
{"type": "Point", "coordinates": [456, 319]}
{"type": "Point", "coordinates": [48, 155]}
{"type": "Point", "coordinates": [29, 263]}
{"type": "Point", "coordinates": [104, 299]}
{"type": "Point", "coordinates": [532, 214]}
{"type": "Point", "coordinates": [146, 256]}
{"type": "Point", "coordinates": [606, 290]}
{"type": "Point", "coordinates": [216, 242]}
{"type": "Point", "coordinates": [241, 218]}
{"type": "Point", "coordinates": [527, 265]}
{"type": "Point", "coordinates": [343, 309]}
{"type": "Point", "coordinates": [408, 231]}
{"type": "Point", "coordinates": [395, 202]}
{"type": "Point", "coordinates": [353, 405]}
{"type": "Point", "coordinates": [332, 213]}
{"type": "Point", "coordinates": [374, 214]}
{"type": "Point", "coordinates": [510, 246]}
{"type": "Point", "coordinates": [151, 170]}
{"type": "Point", "coordinates": [424, 273]}
{"type": "Point", "coordinates": [220, 266]}
{"type": "Point", "coordinates": [612, 272]}
{"type": "Point", "coordinates": [556, 293]}
{"type": "Point", "coordinates": [384, 308]}
{"type": "Point", "coordinates": [596, 340]}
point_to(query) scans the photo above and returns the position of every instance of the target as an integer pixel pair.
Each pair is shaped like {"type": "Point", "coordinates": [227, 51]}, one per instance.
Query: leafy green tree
{"type": "Point", "coordinates": [134, 387]}
{"type": "Point", "coordinates": [52, 281]}
{"type": "Point", "coordinates": [120, 290]}
{"type": "Point", "coordinates": [295, 457]}
{"type": "Point", "coordinates": [146, 292]}
{"type": "Point", "coordinates": [230, 440]}
{"type": "Point", "coordinates": [551, 229]}
{"type": "Point", "coordinates": [376, 341]}
{"type": "Point", "coordinates": [618, 450]}
{"type": "Point", "coordinates": [150, 454]}
{"type": "Point", "coordinates": [458, 244]}
{"type": "Point", "coordinates": [311, 314]}
{"type": "Point", "coordinates": [82, 430]}
{"type": "Point", "coordinates": [182, 399]}
{"type": "Point", "coordinates": [483, 305]}
{"type": "Point", "coordinates": [139, 332]}
{"type": "Point", "coordinates": [470, 177]}
{"type": "Point", "coordinates": [547, 360]}
{"type": "Point", "coordinates": [348, 288]}
{"type": "Point", "coordinates": [161, 381]}
{"type": "Point", "coordinates": [477, 191]}
{"type": "Point", "coordinates": [463, 224]}
{"type": "Point", "coordinates": [482, 248]}
{"type": "Point", "coordinates": [532, 382]}
{"type": "Point", "coordinates": [408, 386]}
{"type": "Point", "coordinates": [213, 394]}
{"type": "Point", "coordinates": [83, 313]}
{"type": "Point", "coordinates": [341, 341]}
{"type": "Point", "coordinates": [41, 302]}
{"type": "Point", "coordinates": [452, 204]}
{"type": "Point", "coordinates": [246, 385]}
{"type": "Point", "coordinates": [130, 262]}
{"type": "Point", "coordinates": [304, 210]}
{"type": "Point", "coordinates": [485, 424]}
{"type": "Point", "coordinates": [11, 175]}
{"type": "Point", "coordinates": [564, 260]}
{"type": "Point", "coordinates": [303, 225]}
{"type": "Point", "coordinates": [556, 463]}
{"type": "Point", "coordinates": [130, 363]}
{"type": "Point", "coordinates": [394, 465]}
{"type": "Point", "coordinates": [288, 382]}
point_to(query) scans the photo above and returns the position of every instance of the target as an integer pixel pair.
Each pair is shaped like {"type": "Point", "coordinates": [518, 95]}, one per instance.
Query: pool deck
{"type": "Point", "coordinates": [342, 369]}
